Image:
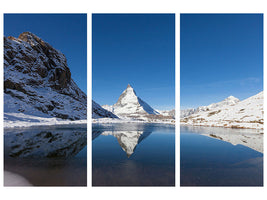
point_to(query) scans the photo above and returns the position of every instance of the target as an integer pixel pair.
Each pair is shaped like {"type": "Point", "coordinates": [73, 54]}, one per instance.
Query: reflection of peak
{"type": "Point", "coordinates": [96, 133]}
{"type": "Point", "coordinates": [128, 140]}
{"type": "Point", "coordinates": [143, 136]}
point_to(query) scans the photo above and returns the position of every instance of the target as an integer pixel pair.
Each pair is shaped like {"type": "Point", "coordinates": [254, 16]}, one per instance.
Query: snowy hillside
{"type": "Point", "coordinates": [37, 80]}
{"type": "Point", "coordinates": [187, 112]}
{"type": "Point", "coordinates": [170, 113]}
{"type": "Point", "coordinates": [228, 101]}
{"type": "Point", "coordinates": [99, 112]}
{"type": "Point", "coordinates": [230, 113]}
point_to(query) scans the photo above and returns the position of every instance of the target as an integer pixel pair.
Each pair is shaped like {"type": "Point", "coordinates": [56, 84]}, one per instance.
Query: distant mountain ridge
{"type": "Point", "coordinates": [231, 100]}
{"type": "Point", "coordinates": [170, 113]}
{"type": "Point", "coordinates": [231, 113]}
{"type": "Point", "coordinates": [37, 80]}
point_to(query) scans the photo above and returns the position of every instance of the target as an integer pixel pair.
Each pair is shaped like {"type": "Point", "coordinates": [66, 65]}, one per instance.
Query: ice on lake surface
{"type": "Point", "coordinates": [46, 156]}
{"type": "Point", "coordinates": [211, 156]}
{"type": "Point", "coordinates": [133, 154]}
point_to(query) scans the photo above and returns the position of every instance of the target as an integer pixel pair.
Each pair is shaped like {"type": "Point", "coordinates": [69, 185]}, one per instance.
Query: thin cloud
{"type": "Point", "coordinates": [242, 82]}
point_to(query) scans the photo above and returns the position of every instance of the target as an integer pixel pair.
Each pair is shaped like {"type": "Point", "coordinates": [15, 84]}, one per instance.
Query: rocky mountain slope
{"type": "Point", "coordinates": [230, 113]}
{"type": "Point", "coordinates": [99, 112]}
{"type": "Point", "coordinates": [37, 80]}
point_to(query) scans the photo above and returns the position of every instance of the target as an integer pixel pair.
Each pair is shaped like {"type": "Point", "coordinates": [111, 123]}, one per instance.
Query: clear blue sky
{"type": "Point", "coordinates": [65, 32]}
{"type": "Point", "coordinates": [221, 55]}
{"type": "Point", "coordinates": [138, 49]}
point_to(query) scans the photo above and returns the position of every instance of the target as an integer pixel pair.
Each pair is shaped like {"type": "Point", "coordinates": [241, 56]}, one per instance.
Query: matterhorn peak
{"type": "Point", "coordinates": [130, 89]}
{"type": "Point", "coordinates": [128, 92]}
{"type": "Point", "coordinates": [129, 104]}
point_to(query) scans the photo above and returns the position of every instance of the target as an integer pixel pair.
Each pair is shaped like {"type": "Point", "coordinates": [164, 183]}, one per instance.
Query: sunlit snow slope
{"type": "Point", "coordinates": [230, 113]}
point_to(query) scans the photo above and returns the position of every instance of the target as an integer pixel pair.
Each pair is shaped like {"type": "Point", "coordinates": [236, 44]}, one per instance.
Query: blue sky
{"type": "Point", "coordinates": [65, 32]}
{"type": "Point", "coordinates": [220, 55]}
{"type": "Point", "coordinates": [138, 49]}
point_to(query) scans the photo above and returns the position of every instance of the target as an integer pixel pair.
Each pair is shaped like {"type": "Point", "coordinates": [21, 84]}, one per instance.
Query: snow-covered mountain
{"type": "Point", "coordinates": [37, 80]}
{"type": "Point", "coordinates": [99, 112]}
{"type": "Point", "coordinates": [231, 100]}
{"type": "Point", "coordinates": [167, 113]}
{"type": "Point", "coordinates": [187, 112]}
{"type": "Point", "coordinates": [230, 113]}
{"type": "Point", "coordinates": [129, 105]}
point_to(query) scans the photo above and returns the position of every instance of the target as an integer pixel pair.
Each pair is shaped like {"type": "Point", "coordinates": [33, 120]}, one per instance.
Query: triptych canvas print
{"type": "Point", "coordinates": [134, 120]}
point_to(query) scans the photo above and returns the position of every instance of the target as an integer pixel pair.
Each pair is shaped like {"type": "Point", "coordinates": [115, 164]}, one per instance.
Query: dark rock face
{"type": "Point", "coordinates": [32, 67]}
{"type": "Point", "coordinates": [40, 57]}
{"type": "Point", "coordinates": [99, 112]}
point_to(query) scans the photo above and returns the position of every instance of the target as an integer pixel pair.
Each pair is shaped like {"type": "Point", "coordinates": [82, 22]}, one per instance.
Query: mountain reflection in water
{"type": "Point", "coordinates": [225, 158]}
{"type": "Point", "coordinates": [47, 156]}
{"type": "Point", "coordinates": [128, 140]}
{"type": "Point", "coordinates": [149, 160]}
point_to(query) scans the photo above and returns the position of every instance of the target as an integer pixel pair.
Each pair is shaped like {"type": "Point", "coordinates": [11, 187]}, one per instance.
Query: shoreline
{"type": "Point", "coordinates": [21, 120]}
{"type": "Point", "coordinates": [43, 122]}
{"type": "Point", "coordinates": [117, 121]}
{"type": "Point", "coordinates": [66, 123]}
{"type": "Point", "coordinates": [222, 126]}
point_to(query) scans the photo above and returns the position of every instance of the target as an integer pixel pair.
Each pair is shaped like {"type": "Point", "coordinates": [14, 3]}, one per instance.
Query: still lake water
{"type": "Point", "coordinates": [133, 155]}
{"type": "Point", "coordinates": [47, 156]}
{"type": "Point", "coordinates": [206, 161]}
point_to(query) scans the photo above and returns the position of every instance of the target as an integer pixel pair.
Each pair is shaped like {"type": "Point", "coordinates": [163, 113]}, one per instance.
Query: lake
{"type": "Point", "coordinates": [207, 160]}
{"type": "Point", "coordinates": [46, 156]}
{"type": "Point", "coordinates": [133, 154]}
